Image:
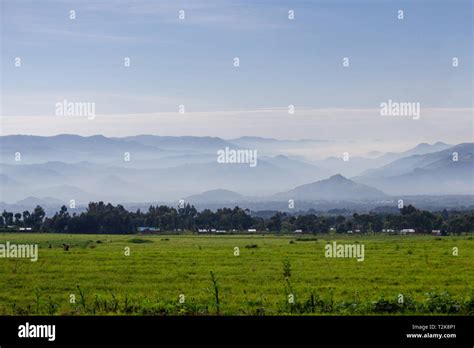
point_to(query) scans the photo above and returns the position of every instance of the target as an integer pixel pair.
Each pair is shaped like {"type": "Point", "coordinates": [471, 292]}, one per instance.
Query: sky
{"type": "Point", "coordinates": [283, 62]}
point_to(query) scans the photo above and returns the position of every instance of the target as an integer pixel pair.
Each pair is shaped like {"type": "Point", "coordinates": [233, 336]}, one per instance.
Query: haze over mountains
{"type": "Point", "coordinates": [375, 159]}
{"type": "Point", "coordinates": [148, 168]}
{"type": "Point", "coordinates": [336, 187]}
{"type": "Point", "coordinates": [431, 173]}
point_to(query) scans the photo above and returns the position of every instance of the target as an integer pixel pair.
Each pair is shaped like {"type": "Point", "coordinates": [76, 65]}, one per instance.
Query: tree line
{"type": "Point", "coordinates": [109, 219]}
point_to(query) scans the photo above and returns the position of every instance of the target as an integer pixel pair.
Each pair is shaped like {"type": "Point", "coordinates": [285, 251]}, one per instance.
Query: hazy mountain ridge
{"type": "Point", "coordinates": [358, 165]}
{"type": "Point", "coordinates": [431, 173]}
{"type": "Point", "coordinates": [335, 188]}
{"type": "Point", "coordinates": [183, 143]}
{"type": "Point", "coordinates": [217, 195]}
{"type": "Point", "coordinates": [164, 169]}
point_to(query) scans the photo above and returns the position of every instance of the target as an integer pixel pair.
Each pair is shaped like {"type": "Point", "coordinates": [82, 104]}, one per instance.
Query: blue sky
{"type": "Point", "coordinates": [189, 62]}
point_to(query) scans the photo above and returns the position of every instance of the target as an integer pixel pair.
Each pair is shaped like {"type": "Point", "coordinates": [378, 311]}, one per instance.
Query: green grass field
{"type": "Point", "coordinates": [160, 268]}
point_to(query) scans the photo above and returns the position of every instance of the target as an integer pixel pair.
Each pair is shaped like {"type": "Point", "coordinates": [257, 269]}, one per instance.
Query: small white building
{"type": "Point", "coordinates": [388, 230]}
{"type": "Point", "coordinates": [407, 231]}
{"type": "Point", "coordinates": [252, 230]}
{"type": "Point", "coordinates": [436, 232]}
{"type": "Point", "coordinates": [298, 231]}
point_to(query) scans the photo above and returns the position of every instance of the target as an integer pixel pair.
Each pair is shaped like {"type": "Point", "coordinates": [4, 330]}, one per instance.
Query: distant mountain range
{"type": "Point", "coordinates": [335, 188]}
{"type": "Point", "coordinates": [357, 165]}
{"type": "Point", "coordinates": [184, 143]}
{"type": "Point", "coordinates": [216, 196]}
{"type": "Point", "coordinates": [165, 169]}
{"type": "Point", "coordinates": [449, 171]}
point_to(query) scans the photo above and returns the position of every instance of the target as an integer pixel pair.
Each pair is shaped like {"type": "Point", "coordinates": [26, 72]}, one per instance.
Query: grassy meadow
{"type": "Point", "coordinates": [160, 268]}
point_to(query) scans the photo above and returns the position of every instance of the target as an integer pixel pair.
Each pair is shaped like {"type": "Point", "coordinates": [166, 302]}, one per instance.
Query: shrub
{"type": "Point", "coordinates": [139, 240]}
